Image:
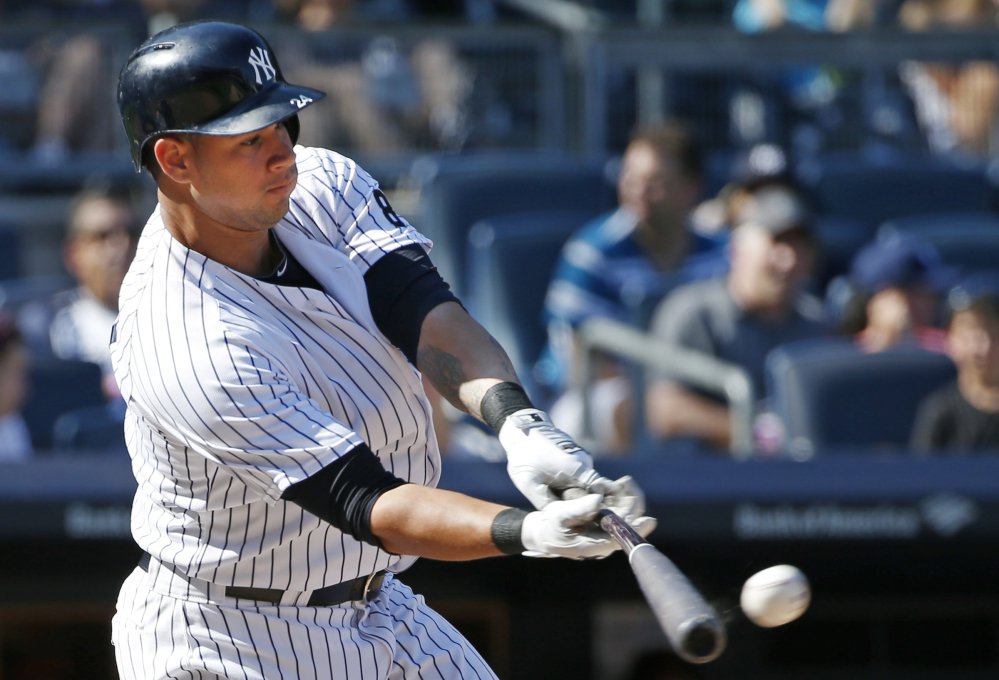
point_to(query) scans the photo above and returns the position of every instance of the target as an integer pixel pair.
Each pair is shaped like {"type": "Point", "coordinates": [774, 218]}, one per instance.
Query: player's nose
{"type": "Point", "coordinates": [282, 149]}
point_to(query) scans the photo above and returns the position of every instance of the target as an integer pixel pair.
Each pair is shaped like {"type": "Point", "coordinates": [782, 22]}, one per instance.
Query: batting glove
{"type": "Point", "coordinates": [567, 529]}
{"type": "Point", "coordinates": [543, 461]}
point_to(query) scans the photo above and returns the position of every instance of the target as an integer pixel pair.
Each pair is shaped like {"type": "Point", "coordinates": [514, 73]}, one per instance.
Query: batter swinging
{"type": "Point", "coordinates": [272, 332]}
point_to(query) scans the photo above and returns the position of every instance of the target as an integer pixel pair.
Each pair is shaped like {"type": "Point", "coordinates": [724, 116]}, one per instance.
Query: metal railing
{"type": "Point", "coordinates": [597, 335]}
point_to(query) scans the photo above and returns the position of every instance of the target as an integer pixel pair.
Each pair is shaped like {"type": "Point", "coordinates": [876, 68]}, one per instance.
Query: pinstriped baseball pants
{"type": "Point", "coordinates": [396, 635]}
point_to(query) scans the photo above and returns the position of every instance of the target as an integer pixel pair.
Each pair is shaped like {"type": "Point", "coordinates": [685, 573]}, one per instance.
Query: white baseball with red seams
{"type": "Point", "coordinates": [775, 596]}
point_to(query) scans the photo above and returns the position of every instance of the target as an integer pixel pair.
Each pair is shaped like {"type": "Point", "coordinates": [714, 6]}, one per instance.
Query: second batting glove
{"type": "Point", "coordinates": [567, 529]}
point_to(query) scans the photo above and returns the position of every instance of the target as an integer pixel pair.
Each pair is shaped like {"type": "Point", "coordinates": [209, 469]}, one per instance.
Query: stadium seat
{"type": "Point", "coordinates": [839, 239]}
{"type": "Point", "coordinates": [10, 249]}
{"type": "Point", "coordinates": [831, 396]}
{"type": "Point", "coordinates": [31, 302]}
{"type": "Point", "coordinates": [58, 386]}
{"type": "Point", "coordinates": [932, 225]}
{"type": "Point", "coordinates": [510, 263]}
{"type": "Point", "coordinates": [968, 242]}
{"type": "Point", "coordinates": [457, 192]}
{"type": "Point", "coordinates": [873, 192]}
{"type": "Point", "coordinates": [91, 428]}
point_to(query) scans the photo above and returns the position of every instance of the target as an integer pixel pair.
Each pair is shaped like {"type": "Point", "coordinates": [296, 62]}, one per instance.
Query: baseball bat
{"type": "Point", "coordinates": [694, 629]}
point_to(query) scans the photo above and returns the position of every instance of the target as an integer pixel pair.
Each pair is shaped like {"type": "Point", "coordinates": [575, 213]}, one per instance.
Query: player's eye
{"type": "Point", "coordinates": [251, 141]}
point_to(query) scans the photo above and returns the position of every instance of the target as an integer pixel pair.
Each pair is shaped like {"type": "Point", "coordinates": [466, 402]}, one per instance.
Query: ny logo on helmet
{"type": "Point", "coordinates": [260, 60]}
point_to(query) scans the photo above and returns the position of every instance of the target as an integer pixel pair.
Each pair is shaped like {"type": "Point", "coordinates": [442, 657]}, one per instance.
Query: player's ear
{"type": "Point", "coordinates": [173, 154]}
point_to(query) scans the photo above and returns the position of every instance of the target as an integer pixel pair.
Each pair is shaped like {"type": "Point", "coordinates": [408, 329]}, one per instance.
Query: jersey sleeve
{"type": "Point", "coordinates": [340, 201]}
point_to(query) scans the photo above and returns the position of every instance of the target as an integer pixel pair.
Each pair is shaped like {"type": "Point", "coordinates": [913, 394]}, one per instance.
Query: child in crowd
{"type": "Point", "coordinates": [15, 441]}
{"type": "Point", "coordinates": [896, 287]}
{"type": "Point", "coordinates": [964, 416]}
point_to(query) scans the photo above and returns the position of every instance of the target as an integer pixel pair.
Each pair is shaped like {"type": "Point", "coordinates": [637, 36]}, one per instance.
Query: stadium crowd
{"type": "Point", "coordinates": [719, 238]}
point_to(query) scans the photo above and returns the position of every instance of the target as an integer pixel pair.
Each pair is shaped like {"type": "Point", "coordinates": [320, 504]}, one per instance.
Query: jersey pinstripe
{"type": "Point", "coordinates": [237, 389]}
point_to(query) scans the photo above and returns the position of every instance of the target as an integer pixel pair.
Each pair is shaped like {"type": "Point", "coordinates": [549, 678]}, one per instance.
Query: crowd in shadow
{"type": "Point", "coordinates": [730, 272]}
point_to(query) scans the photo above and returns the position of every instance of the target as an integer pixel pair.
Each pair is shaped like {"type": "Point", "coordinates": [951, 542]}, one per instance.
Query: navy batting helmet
{"type": "Point", "coordinates": [205, 77]}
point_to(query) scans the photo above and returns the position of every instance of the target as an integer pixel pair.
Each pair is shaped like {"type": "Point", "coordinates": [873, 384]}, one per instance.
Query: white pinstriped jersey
{"type": "Point", "coordinates": [237, 389]}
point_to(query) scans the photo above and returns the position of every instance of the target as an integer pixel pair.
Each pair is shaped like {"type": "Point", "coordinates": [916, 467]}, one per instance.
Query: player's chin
{"type": "Point", "coordinates": [271, 210]}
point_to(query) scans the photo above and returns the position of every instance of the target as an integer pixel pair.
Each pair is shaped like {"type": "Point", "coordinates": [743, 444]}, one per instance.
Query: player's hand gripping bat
{"type": "Point", "coordinates": [692, 626]}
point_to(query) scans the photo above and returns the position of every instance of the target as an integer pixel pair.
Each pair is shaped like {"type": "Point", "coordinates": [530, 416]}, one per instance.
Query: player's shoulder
{"type": "Point", "coordinates": [320, 168]}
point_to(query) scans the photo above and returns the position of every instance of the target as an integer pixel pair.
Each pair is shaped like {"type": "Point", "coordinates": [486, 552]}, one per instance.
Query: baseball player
{"type": "Point", "coordinates": [272, 333]}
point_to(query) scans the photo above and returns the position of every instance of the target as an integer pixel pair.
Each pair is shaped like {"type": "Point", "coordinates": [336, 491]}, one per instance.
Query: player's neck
{"type": "Point", "coordinates": [251, 252]}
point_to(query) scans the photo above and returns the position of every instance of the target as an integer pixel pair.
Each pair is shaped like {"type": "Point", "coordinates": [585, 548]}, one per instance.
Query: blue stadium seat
{"type": "Point", "coordinates": [831, 396]}
{"type": "Point", "coordinates": [852, 186]}
{"type": "Point", "coordinates": [91, 428]}
{"type": "Point", "coordinates": [58, 386]}
{"type": "Point", "coordinates": [510, 263]}
{"type": "Point", "coordinates": [839, 239]}
{"type": "Point", "coordinates": [31, 302]}
{"type": "Point", "coordinates": [457, 192]}
{"type": "Point", "coordinates": [967, 241]}
{"type": "Point", "coordinates": [10, 252]}
{"type": "Point", "coordinates": [931, 225]}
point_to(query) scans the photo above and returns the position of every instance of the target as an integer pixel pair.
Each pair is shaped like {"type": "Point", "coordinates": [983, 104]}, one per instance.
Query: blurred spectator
{"type": "Point", "coordinates": [738, 318]}
{"type": "Point", "coordinates": [896, 286]}
{"type": "Point", "coordinates": [15, 440]}
{"type": "Point", "coordinates": [99, 245]}
{"type": "Point", "coordinates": [615, 264]}
{"type": "Point", "coordinates": [390, 98]}
{"type": "Point", "coordinates": [75, 103]}
{"type": "Point", "coordinates": [956, 104]}
{"type": "Point", "coordinates": [76, 106]}
{"type": "Point", "coordinates": [800, 106]}
{"type": "Point", "coordinates": [964, 416]}
{"type": "Point", "coordinates": [762, 164]}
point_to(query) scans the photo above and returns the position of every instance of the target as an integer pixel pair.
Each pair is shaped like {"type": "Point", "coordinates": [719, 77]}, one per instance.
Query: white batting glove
{"type": "Point", "coordinates": [543, 461]}
{"type": "Point", "coordinates": [566, 529]}
{"type": "Point", "coordinates": [624, 497]}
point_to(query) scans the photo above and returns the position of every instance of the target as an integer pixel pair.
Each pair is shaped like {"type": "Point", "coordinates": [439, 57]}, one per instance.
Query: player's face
{"type": "Point", "coordinates": [244, 182]}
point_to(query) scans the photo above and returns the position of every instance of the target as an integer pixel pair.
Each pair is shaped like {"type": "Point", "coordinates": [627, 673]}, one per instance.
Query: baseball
{"type": "Point", "coordinates": [775, 596]}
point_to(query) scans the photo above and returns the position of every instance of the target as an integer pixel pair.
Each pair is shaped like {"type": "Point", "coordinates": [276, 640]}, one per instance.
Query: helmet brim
{"type": "Point", "coordinates": [281, 102]}
{"type": "Point", "coordinates": [265, 108]}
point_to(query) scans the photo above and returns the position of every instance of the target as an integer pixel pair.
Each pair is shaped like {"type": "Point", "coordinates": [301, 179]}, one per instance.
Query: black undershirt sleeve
{"type": "Point", "coordinates": [344, 492]}
{"type": "Point", "coordinates": [403, 286]}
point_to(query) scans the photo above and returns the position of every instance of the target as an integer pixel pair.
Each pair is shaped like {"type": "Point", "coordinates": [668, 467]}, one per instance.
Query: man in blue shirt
{"type": "Point", "coordinates": [618, 265]}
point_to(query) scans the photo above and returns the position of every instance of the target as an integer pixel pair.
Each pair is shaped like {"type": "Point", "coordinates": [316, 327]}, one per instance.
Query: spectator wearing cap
{"type": "Point", "coordinates": [896, 286]}
{"type": "Point", "coordinates": [761, 303]}
{"type": "Point", "coordinates": [760, 165]}
{"type": "Point", "coordinates": [963, 417]}
{"type": "Point", "coordinates": [15, 440]}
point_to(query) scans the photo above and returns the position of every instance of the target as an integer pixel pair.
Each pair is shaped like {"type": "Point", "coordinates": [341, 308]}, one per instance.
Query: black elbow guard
{"type": "Point", "coordinates": [344, 492]}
